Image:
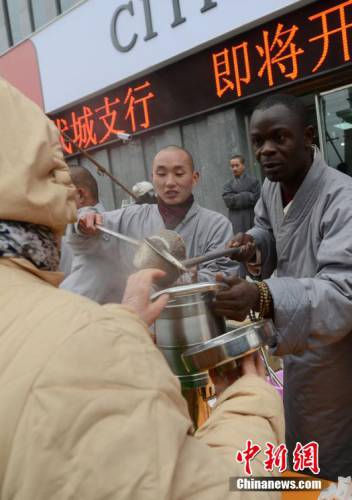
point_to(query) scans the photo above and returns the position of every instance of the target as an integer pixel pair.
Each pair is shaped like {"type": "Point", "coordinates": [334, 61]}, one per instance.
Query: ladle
{"type": "Point", "coordinates": [120, 236]}
{"type": "Point", "coordinates": [153, 252]}
{"type": "Point", "coordinates": [216, 254]}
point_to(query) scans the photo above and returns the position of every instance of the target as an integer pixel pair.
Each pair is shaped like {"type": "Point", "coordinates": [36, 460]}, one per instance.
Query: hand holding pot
{"type": "Point", "coordinates": [236, 301]}
{"type": "Point", "coordinates": [248, 365]}
{"type": "Point", "coordinates": [137, 295]}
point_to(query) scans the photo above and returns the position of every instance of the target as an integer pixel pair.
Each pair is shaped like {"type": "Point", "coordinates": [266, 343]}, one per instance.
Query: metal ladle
{"type": "Point", "coordinates": [155, 252]}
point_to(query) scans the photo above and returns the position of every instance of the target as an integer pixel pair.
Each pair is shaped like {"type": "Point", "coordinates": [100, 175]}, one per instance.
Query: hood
{"type": "Point", "coordinates": [35, 184]}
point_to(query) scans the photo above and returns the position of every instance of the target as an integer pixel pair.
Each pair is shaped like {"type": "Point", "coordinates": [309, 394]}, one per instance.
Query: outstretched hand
{"type": "Point", "coordinates": [87, 224]}
{"type": "Point", "coordinates": [137, 295]}
{"type": "Point", "coordinates": [237, 300]}
{"type": "Point", "coordinates": [248, 365]}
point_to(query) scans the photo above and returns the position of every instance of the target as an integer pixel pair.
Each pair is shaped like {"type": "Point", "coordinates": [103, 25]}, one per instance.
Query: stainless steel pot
{"type": "Point", "coordinates": [229, 346]}
{"type": "Point", "coordinates": [193, 340]}
{"type": "Point", "coordinates": [187, 321]}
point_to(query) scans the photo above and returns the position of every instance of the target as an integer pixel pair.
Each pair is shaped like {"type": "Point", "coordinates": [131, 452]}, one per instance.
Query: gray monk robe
{"type": "Point", "coordinates": [67, 261]}
{"type": "Point", "coordinates": [240, 195]}
{"type": "Point", "coordinates": [311, 247]}
{"type": "Point", "coordinates": [104, 263]}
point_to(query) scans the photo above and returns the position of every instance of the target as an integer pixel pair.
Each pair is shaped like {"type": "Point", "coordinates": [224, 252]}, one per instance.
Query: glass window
{"type": "Point", "coordinates": [4, 43]}
{"type": "Point", "coordinates": [43, 11]}
{"type": "Point", "coordinates": [19, 19]}
{"type": "Point", "coordinates": [336, 108]}
{"type": "Point", "coordinates": [67, 4]}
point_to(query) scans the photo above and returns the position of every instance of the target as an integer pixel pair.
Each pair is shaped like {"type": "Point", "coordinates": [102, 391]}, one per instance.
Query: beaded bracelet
{"type": "Point", "coordinates": [265, 299]}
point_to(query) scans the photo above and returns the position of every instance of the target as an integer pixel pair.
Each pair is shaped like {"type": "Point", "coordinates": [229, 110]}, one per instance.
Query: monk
{"type": "Point", "coordinates": [302, 229]}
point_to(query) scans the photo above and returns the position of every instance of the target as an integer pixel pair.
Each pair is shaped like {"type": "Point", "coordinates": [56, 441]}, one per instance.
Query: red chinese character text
{"type": "Point", "coordinates": [62, 125]}
{"type": "Point", "coordinates": [109, 118]}
{"type": "Point", "coordinates": [277, 457]}
{"type": "Point", "coordinates": [286, 52]}
{"type": "Point", "coordinates": [326, 33]}
{"type": "Point", "coordinates": [247, 455]}
{"type": "Point", "coordinates": [83, 128]}
{"type": "Point", "coordinates": [246, 77]}
{"type": "Point", "coordinates": [306, 457]}
{"type": "Point", "coordinates": [222, 69]}
{"type": "Point", "coordinates": [133, 101]}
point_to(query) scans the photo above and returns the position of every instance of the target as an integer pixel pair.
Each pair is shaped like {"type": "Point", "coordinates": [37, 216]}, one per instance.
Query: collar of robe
{"type": "Point", "coordinates": [172, 215]}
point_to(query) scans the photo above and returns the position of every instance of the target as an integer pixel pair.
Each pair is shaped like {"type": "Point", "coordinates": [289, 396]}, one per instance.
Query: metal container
{"type": "Point", "coordinates": [229, 346]}
{"type": "Point", "coordinates": [164, 251]}
{"type": "Point", "coordinates": [187, 321]}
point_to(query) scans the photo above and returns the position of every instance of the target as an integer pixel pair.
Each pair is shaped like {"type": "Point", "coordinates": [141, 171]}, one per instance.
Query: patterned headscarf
{"type": "Point", "coordinates": [29, 241]}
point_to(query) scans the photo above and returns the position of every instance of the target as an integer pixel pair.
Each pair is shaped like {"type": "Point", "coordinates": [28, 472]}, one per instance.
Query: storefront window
{"type": "Point", "coordinates": [67, 4]}
{"type": "Point", "coordinates": [336, 110]}
{"type": "Point", "coordinates": [19, 19]}
{"type": "Point", "coordinates": [43, 11]}
{"type": "Point", "coordinates": [4, 43]}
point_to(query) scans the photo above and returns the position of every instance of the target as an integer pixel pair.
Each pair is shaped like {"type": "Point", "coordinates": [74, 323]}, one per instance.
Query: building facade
{"type": "Point", "coordinates": [162, 72]}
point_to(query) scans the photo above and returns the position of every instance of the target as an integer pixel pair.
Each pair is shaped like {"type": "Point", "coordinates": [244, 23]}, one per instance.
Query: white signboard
{"type": "Point", "coordinates": [102, 43]}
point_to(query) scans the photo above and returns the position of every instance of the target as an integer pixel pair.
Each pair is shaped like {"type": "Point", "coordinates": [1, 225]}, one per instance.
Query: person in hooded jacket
{"type": "Point", "coordinates": [89, 408]}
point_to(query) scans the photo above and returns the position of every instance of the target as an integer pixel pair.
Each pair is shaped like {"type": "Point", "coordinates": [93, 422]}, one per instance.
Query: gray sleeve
{"type": "Point", "coordinates": [256, 188]}
{"type": "Point", "coordinates": [313, 312]}
{"type": "Point", "coordinates": [219, 235]}
{"type": "Point", "coordinates": [262, 233]}
{"type": "Point", "coordinates": [229, 195]}
{"type": "Point", "coordinates": [244, 199]}
{"type": "Point", "coordinates": [92, 245]}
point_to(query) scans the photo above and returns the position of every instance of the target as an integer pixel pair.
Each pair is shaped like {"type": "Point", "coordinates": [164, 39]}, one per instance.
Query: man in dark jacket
{"type": "Point", "coordinates": [240, 195]}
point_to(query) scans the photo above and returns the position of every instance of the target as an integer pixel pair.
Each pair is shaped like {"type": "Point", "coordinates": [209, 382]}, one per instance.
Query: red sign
{"type": "Point", "coordinates": [92, 125]}
{"type": "Point", "coordinates": [308, 42]}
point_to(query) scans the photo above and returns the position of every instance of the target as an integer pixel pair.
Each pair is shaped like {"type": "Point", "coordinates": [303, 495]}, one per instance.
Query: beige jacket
{"type": "Point", "coordinates": [89, 408]}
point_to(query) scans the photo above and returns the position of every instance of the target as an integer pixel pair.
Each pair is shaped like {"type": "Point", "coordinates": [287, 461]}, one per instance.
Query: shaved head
{"type": "Point", "coordinates": [173, 147]}
{"type": "Point", "coordinates": [173, 175]}
{"type": "Point", "coordinates": [82, 178]}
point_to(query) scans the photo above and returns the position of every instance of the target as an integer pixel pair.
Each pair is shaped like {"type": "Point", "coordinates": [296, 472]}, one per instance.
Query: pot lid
{"type": "Point", "coordinates": [229, 346]}
{"type": "Point", "coordinates": [183, 290]}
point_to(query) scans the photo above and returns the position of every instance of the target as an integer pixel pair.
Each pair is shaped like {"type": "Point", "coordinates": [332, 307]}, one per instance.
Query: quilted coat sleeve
{"type": "Point", "coordinates": [311, 312]}
{"type": "Point", "coordinates": [92, 245]}
{"type": "Point", "coordinates": [105, 420]}
{"type": "Point", "coordinates": [262, 233]}
{"type": "Point", "coordinates": [217, 234]}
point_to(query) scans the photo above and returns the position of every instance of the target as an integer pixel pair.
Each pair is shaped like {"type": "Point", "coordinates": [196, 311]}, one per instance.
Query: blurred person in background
{"type": "Point", "coordinates": [87, 194]}
{"type": "Point", "coordinates": [240, 195]}
{"type": "Point", "coordinates": [145, 193]}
